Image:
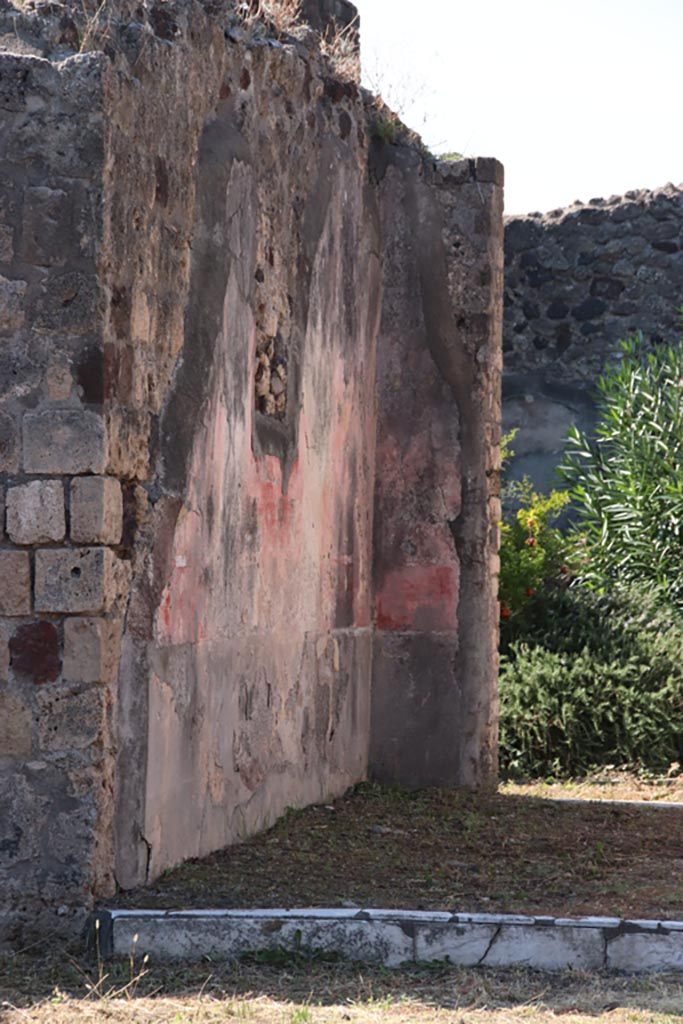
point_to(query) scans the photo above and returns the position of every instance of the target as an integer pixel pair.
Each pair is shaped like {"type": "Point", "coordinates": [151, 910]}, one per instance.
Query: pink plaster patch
{"type": "Point", "coordinates": [419, 597]}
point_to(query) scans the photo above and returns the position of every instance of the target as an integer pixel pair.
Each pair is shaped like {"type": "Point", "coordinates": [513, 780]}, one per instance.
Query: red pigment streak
{"type": "Point", "coordinates": [419, 597]}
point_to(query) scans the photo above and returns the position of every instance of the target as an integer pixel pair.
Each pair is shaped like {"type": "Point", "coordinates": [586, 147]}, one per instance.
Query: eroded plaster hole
{"type": "Point", "coordinates": [76, 572]}
{"type": "Point", "coordinates": [271, 377]}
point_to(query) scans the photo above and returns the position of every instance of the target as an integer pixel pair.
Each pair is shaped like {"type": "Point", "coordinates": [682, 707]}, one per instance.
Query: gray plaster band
{"type": "Point", "coordinates": [393, 937]}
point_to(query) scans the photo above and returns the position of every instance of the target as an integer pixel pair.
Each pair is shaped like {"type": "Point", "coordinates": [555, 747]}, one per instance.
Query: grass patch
{"type": "Point", "coordinates": [51, 988]}
{"type": "Point", "coordinates": [445, 850]}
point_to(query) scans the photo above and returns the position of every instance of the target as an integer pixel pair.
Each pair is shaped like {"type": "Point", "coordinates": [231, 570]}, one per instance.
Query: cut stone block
{"type": "Point", "coordinates": [547, 948]}
{"type": "Point", "coordinates": [96, 510]}
{"type": "Point", "coordinates": [465, 944]}
{"type": "Point", "coordinates": [9, 445]}
{"type": "Point", "coordinates": [652, 949]}
{"type": "Point", "coordinates": [16, 735]}
{"type": "Point", "coordinates": [193, 936]}
{"type": "Point", "coordinates": [35, 512]}
{"type": "Point", "coordinates": [64, 441]}
{"type": "Point", "coordinates": [91, 649]}
{"type": "Point", "coordinates": [15, 583]}
{"type": "Point", "coordinates": [76, 580]}
{"type": "Point", "coordinates": [71, 719]}
{"type": "Point", "coordinates": [12, 314]}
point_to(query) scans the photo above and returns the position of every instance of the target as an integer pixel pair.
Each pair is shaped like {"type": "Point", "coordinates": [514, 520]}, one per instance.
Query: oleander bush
{"type": "Point", "coordinates": [626, 483]}
{"type": "Point", "coordinates": [591, 663]}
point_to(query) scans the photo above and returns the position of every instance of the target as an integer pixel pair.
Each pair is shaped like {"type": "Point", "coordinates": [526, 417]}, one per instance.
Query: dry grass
{"type": "Point", "coordinates": [606, 784]}
{"type": "Point", "coordinates": [53, 989]}
{"type": "Point", "coordinates": [446, 850]}
{"type": "Point", "coordinates": [282, 16]}
{"type": "Point", "coordinates": [341, 47]}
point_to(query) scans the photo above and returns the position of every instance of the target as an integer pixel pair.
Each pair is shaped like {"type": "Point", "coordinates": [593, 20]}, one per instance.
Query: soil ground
{"type": "Point", "coordinates": [444, 850]}
{"type": "Point", "coordinates": [52, 989]}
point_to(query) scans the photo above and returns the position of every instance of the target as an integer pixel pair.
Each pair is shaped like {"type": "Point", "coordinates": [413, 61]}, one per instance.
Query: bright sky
{"type": "Point", "coordinates": [578, 98]}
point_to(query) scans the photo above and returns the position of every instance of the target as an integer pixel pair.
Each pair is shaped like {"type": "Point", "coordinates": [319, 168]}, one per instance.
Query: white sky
{"type": "Point", "coordinates": [578, 98]}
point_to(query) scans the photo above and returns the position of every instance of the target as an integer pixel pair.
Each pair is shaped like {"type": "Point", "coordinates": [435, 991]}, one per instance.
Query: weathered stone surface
{"type": "Point", "coordinates": [35, 512]}
{"type": "Point", "coordinates": [71, 719]}
{"type": "Point", "coordinates": [64, 441]}
{"type": "Point", "coordinates": [35, 652]}
{"type": "Point", "coordinates": [9, 444]}
{"type": "Point", "coordinates": [15, 592]}
{"type": "Point", "coordinates": [12, 313]}
{"type": "Point", "coordinates": [394, 937]}
{"type": "Point", "coordinates": [202, 323]}
{"type": "Point", "coordinates": [577, 281]}
{"type": "Point", "coordinates": [96, 510]}
{"type": "Point", "coordinates": [91, 649]}
{"type": "Point", "coordinates": [77, 580]}
{"type": "Point", "coordinates": [16, 727]}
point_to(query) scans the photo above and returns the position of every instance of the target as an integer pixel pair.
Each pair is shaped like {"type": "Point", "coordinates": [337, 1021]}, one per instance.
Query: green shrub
{"type": "Point", "coordinates": [532, 550]}
{"type": "Point", "coordinates": [591, 680]}
{"type": "Point", "coordinates": [626, 485]}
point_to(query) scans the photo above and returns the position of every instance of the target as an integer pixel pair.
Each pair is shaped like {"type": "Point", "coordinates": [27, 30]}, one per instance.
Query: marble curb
{"type": "Point", "coordinates": [596, 802]}
{"type": "Point", "coordinates": [394, 937]}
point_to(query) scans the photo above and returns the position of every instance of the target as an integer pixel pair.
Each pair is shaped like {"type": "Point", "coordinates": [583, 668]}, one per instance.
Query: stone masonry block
{"type": "Point", "coordinates": [488, 169]}
{"type": "Point", "coordinates": [77, 580]}
{"type": "Point", "coordinates": [96, 510]}
{"type": "Point", "coordinates": [64, 441]}
{"type": "Point", "coordinates": [71, 718]}
{"type": "Point", "coordinates": [16, 730]}
{"type": "Point", "coordinates": [15, 583]}
{"type": "Point", "coordinates": [91, 649]}
{"type": "Point", "coordinates": [35, 512]}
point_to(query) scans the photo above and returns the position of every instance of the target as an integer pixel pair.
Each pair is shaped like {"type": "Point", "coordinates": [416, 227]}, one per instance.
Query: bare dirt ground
{"type": "Point", "coordinates": [52, 989]}
{"type": "Point", "coordinates": [443, 850]}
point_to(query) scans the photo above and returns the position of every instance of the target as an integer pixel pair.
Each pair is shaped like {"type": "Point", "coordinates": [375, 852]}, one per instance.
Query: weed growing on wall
{"type": "Point", "coordinates": [282, 16]}
{"type": "Point", "coordinates": [340, 45]}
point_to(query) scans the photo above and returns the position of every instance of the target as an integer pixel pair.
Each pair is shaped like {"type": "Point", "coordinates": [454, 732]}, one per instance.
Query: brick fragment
{"type": "Point", "coordinates": [15, 583]}
{"type": "Point", "coordinates": [63, 441]}
{"type": "Point", "coordinates": [96, 510]}
{"type": "Point", "coordinates": [91, 649]}
{"type": "Point", "coordinates": [35, 512]}
{"type": "Point", "coordinates": [35, 652]}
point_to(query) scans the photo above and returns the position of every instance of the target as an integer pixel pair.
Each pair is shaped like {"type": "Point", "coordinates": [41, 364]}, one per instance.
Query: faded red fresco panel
{"type": "Point", "coordinates": [419, 597]}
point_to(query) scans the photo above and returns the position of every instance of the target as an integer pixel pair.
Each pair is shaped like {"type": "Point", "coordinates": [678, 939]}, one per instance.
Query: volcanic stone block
{"type": "Point", "coordinates": [71, 719]}
{"type": "Point", "coordinates": [35, 512]}
{"type": "Point", "coordinates": [91, 649]}
{"type": "Point", "coordinates": [96, 510]}
{"type": "Point", "coordinates": [12, 315]}
{"type": "Point", "coordinates": [15, 583]}
{"type": "Point", "coordinates": [16, 736]}
{"type": "Point", "coordinates": [76, 580]}
{"type": "Point", "coordinates": [9, 447]}
{"type": "Point", "coordinates": [64, 441]}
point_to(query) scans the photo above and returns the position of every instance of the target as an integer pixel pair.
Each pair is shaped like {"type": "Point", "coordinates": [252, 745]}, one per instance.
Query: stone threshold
{"type": "Point", "coordinates": [394, 937]}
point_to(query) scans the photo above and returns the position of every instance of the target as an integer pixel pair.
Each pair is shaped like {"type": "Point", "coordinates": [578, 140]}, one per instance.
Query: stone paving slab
{"type": "Point", "coordinates": [393, 937]}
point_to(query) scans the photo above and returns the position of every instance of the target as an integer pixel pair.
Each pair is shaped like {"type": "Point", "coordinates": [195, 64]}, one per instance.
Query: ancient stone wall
{"type": "Point", "coordinates": [436, 507]}
{"type": "Point", "coordinates": [577, 281]}
{"type": "Point", "coordinates": [198, 250]}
